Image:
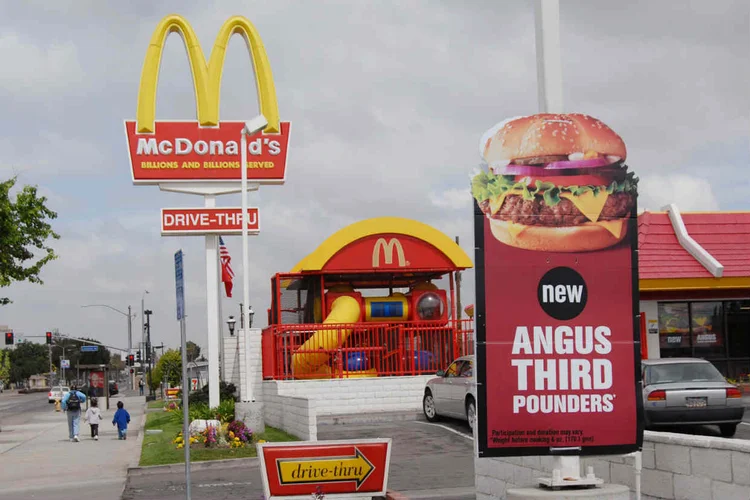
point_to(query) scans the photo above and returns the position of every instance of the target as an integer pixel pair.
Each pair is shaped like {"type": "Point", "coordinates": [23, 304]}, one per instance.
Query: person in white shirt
{"type": "Point", "coordinates": [93, 417]}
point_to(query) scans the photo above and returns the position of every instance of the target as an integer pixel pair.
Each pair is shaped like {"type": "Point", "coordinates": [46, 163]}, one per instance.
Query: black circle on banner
{"type": "Point", "coordinates": [562, 293]}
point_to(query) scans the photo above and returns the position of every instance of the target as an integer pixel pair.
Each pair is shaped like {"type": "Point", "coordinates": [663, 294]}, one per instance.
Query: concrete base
{"type": "Point", "coordinates": [252, 414]}
{"type": "Point", "coordinates": [605, 492]}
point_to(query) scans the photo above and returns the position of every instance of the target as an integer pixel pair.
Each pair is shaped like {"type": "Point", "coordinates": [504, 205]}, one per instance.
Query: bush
{"type": "Point", "coordinates": [200, 411]}
{"type": "Point", "coordinates": [225, 411]}
{"type": "Point", "coordinates": [226, 391]}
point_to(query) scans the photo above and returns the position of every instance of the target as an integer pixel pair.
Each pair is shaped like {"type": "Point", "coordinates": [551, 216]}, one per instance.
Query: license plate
{"type": "Point", "coordinates": [695, 402]}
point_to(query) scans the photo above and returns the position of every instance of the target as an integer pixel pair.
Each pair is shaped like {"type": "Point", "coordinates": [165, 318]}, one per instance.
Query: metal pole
{"type": "Point", "coordinates": [212, 311]}
{"type": "Point", "coordinates": [185, 404]}
{"type": "Point", "coordinates": [548, 65]}
{"type": "Point", "coordinates": [149, 355]}
{"type": "Point", "coordinates": [245, 256]}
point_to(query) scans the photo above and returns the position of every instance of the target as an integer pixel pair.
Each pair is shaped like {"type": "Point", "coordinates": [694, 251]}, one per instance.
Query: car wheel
{"type": "Point", "coordinates": [471, 413]}
{"type": "Point", "coordinates": [727, 430]}
{"type": "Point", "coordinates": [428, 406]}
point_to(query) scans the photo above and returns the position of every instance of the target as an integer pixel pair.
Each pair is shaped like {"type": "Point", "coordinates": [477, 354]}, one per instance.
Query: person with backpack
{"type": "Point", "coordinates": [71, 404]}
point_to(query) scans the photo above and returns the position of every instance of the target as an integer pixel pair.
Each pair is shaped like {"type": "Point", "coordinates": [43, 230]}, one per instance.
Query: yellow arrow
{"type": "Point", "coordinates": [325, 470]}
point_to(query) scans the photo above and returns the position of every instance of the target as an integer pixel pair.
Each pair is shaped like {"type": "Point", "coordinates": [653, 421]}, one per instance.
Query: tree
{"type": "Point", "coordinates": [23, 228]}
{"type": "Point", "coordinates": [5, 367]}
{"type": "Point", "coordinates": [102, 356]}
{"type": "Point", "coordinates": [28, 359]}
{"type": "Point", "coordinates": [169, 368]}
{"type": "Point", "coordinates": [193, 351]}
{"type": "Point", "coordinates": [116, 363]}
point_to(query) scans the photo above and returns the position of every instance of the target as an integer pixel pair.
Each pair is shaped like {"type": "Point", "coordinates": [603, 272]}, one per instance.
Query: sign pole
{"type": "Point", "coordinates": [180, 296]}
{"type": "Point", "coordinates": [245, 257]}
{"type": "Point", "coordinates": [212, 311]}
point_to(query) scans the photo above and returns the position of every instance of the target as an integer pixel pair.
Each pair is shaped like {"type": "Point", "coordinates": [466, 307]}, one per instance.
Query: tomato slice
{"type": "Point", "coordinates": [566, 180]}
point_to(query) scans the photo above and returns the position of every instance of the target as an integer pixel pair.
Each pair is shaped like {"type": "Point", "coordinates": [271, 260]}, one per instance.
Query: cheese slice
{"type": "Point", "coordinates": [514, 229]}
{"type": "Point", "coordinates": [613, 226]}
{"type": "Point", "coordinates": [496, 203]}
{"type": "Point", "coordinates": [589, 204]}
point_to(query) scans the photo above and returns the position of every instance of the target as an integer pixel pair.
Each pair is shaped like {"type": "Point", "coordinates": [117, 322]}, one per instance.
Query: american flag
{"type": "Point", "coordinates": [226, 267]}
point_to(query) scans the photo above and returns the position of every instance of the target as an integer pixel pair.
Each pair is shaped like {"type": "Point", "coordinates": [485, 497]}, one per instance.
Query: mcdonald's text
{"type": "Point", "coordinates": [183, 221]}
{"type": "Point", "coordinates": [186, 151]}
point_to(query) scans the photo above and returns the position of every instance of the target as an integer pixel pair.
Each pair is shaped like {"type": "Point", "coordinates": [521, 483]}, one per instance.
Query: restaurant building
{"type": "Point", "coordinates": [695, 286]}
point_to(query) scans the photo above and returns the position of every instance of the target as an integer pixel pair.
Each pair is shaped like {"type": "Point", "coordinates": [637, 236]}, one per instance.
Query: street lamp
{"type": "Point", "coordinates": [251, 127]}
{"type": "Point", "coordinates": [250, 315]}
{"type": "Point", "coordinates": [143, 316]}
{"type": "Point", "coordinates": [230, 323]}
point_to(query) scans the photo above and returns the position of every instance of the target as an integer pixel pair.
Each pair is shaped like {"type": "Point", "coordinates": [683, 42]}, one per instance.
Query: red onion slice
{"type": "Point", "coordinates": [590, 163]}
{"type": "Point", "coordinates": [520, 170]}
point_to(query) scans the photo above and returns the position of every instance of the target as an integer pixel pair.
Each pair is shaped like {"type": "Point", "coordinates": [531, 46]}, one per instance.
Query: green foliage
{"type": "Point", "coordinates": [201, 411]}
{"type": "Point", "coordinates": [193, 351]}
{"type": "Point", "coordinates": [226, 391]}
{"type": "Point", "coordinates": [5, 367]}
{"type": "Point", "coordinates": [225, 411]}
{"type": "Point", "coordinates": [23, 229]}
{"type": "Point", "coordinates": [28, 359]}
{"type": "Point", "coordinates": [169, 367]}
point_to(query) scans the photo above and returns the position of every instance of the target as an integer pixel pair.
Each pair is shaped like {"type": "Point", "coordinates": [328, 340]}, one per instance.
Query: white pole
{"type": "Point", "coordinates": [245, 255]}
{"type": "Point", "coordinates": [212, 311]}
{"type": "Point", "coordinates": [549, 87]}
{"type": "Point", "coordinates": [548, 64]}
{"type": "Point", "coordinates": [185, 406]}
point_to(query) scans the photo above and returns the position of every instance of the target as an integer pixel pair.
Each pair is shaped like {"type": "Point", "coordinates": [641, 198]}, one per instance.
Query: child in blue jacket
{"type": "Point", "coordinates": [121, 419]}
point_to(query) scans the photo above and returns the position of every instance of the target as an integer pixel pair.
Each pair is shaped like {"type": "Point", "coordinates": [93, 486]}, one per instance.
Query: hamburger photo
{"type": "Point", "coordinates": [555, 183]}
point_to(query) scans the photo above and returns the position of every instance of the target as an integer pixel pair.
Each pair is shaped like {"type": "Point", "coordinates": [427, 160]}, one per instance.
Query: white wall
{"type": "Point", "coordinates": [364, 395]}
{"type": "Point", "coordinates": [675, 466]}
{"type": "Point", "coordinates": [296, 416]}
{"type": "Point", "coordinates": [651, 310]}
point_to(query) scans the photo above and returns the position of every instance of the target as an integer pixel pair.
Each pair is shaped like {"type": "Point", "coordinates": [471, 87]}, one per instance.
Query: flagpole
{"type": "Point", "coordinates": [220, 275]}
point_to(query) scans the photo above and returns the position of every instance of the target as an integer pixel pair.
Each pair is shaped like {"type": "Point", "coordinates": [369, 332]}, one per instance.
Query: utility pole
{"type": "Point", "coordinates": [458, 293]}
{"type": "Point", "coordinates": [149, 353]}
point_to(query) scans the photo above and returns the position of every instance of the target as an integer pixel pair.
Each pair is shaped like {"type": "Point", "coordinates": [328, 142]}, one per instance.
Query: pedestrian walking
{"type": "Point", "coordinates": [93, 417]}
{"type": "Point", "coordinates": [71, 404]}
{"type": "Point", "coordinates": [121, 419]}
{"type": "Point", "coordinates": [140, 385]}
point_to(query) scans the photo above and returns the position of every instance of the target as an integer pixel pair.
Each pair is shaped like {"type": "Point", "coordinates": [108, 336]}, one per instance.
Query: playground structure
{"type": "Point", "coordinates": [368, 303]}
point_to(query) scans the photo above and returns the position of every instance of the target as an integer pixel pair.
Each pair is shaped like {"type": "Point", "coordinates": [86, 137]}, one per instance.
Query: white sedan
{"type": "Point", "coordinates": [57, 393]}
{"type": "Point", "coordinates": [453, 393]}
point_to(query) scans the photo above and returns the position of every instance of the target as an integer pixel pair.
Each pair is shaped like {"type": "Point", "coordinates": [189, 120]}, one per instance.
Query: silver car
{"type": "Point", "coordinates": [689, 391]}
{"type": "Point", "coordinates": [57, 393]}
{"type": "Point", "coordinates": [453, 393]}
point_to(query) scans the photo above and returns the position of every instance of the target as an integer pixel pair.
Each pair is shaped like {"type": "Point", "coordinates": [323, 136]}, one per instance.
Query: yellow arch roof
{"type": "Point", "coordinates": [382, 225]}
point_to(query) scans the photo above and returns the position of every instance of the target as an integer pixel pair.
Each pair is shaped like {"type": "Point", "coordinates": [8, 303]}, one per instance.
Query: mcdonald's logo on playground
{"type": "Point", "coordinates": [388, 249]}
{"type": "Point", "coordinates": [206, 149]}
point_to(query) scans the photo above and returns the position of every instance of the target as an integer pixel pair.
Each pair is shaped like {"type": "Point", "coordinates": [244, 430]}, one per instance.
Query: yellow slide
{"type": "Point", "coordinates": [307, 364]}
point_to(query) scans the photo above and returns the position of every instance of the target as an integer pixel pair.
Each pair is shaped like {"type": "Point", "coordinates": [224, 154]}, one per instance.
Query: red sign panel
{"type": "Point", "coordinates": [558, 348]}
{"type": "Point", "coordinates": [334, 468]}
{"type": "Point", "coordinates": [387, 252]}
{"type": "Point", "coordinates": [182, 151]}
{"type": "Point", "coordinates": [182, 221]}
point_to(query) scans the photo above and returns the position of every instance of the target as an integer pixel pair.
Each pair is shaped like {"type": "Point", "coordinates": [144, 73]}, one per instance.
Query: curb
{"type": "Point", "coordinates": [194, 466]}
{"type": "Point", "coordinates": [369, 418]}
{"type": "Point", "coordinates": [139, 445]}
{"type": "Point", "coordinates": [395, 495]}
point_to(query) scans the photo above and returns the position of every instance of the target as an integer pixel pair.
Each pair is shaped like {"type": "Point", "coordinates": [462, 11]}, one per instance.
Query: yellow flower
{"type": "Point", "coordinates": [180, 446]}
{"type": "Point", "coordinates": [261, 440]}
{"type": "Point", "coordinates": [231, 435]}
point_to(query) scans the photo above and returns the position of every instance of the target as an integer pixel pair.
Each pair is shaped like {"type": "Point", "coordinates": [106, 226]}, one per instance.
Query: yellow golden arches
{"type": "Point", "coordinates": [206, 77]}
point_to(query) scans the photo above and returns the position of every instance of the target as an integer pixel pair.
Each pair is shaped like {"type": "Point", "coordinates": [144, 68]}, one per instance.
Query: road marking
{"type": "Point", "coordinates": [454, 431]}
{"type": "Point", "coordinates": [219, 485]}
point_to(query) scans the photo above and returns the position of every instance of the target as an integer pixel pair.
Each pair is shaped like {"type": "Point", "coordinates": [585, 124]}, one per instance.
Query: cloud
{"type": "Point", "coordinates": [31, 70]}
{"type": "Point", "coordinates": [453, 199]}
{"type": "Point", "coordinates": [687, 192]}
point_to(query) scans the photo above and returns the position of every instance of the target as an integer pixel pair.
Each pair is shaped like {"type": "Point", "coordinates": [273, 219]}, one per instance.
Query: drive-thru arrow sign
{"type": "Point", "coordinates": [338, 468]}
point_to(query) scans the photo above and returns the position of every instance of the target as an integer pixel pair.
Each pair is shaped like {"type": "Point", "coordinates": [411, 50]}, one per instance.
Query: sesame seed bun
{"type": "Point", "coordinates": [548, 134]}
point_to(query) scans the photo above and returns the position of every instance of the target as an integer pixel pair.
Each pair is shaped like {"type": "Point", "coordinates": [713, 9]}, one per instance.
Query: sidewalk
{"type": "Point", "coordinates": [39, 461]}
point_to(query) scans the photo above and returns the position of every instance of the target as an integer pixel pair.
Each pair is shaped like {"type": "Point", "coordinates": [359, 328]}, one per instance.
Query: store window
{"type": "Point", "coordinates": [707, 329]}
{"type": "Point", "coordinates": [674, 329]}
{"type": "Point", "coordinates": [738, 337]}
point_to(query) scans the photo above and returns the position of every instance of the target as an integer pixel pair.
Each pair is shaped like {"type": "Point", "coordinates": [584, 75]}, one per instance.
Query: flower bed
{"type": "Point", "coordinates": [234, 434]}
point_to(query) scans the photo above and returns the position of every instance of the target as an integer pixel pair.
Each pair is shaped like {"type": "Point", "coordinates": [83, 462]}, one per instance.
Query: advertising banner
{"type": "Point", "coordinates": [706, 320]}
{"type": "Point", "coordinates": [558, 326]}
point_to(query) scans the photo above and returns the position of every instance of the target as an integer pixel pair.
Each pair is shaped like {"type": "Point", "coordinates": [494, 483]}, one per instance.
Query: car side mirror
{"type": "Point", "coordinates": [440, 373]}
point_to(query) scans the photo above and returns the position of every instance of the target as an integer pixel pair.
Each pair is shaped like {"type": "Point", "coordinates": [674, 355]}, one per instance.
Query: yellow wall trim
{"type": "Point", "coordinates": [672, 284]}
{"type": "Point", "coordinates": [383, 225]}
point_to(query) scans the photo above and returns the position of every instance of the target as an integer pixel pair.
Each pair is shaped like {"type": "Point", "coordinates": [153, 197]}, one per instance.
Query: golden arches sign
{"type": "Point", "coordinates": [388, 250]}
{"type": "Point", "coordinates": [206, 76]}
{"type": "Point", "coordinates": [209, 149]}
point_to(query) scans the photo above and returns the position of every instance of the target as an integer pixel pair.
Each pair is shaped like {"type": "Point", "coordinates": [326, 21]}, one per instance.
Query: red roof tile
{"type": "Point", "coordinates": [725, 235]}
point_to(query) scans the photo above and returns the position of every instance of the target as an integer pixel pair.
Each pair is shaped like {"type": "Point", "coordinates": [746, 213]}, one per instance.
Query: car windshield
{"type": "Point", "coordinates": [684, 372]}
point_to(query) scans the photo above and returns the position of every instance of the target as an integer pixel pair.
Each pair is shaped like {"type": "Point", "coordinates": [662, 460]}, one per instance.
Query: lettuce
{"type": "Point", "coordinates": [486, 185]}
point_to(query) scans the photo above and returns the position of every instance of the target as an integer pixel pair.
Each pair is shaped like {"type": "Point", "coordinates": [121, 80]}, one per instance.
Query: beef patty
{"type": "Point", "coordinates": [537, 213]}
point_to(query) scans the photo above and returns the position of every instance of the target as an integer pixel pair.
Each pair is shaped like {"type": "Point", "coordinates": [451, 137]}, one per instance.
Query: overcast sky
{"type": "Point", "coordinates": [388, 101]}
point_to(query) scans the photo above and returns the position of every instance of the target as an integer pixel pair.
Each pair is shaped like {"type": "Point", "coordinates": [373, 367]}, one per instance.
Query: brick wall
{"type": "Point", "coordinates": [342, 396]}
{"type": "Point", "coordinates": [674, 466]}
{"type": "Point", "coordinates": [236, 358]}
{"type": "Point", "coordinates": [296, 416]}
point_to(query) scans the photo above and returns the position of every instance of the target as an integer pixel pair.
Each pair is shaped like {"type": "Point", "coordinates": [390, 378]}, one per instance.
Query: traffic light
{"type": "Point", "coordinates": [49, 337]}
{"type": "Point", "coordinates": [138, 356]}
{"type": "Point", "coordinates": [131, 360]}
{"type": "Point", "coordinates": [8, 338]}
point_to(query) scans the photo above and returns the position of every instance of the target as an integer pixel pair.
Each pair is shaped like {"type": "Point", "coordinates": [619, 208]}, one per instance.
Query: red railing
{"type": "Point", "coordinates": [363, 349]}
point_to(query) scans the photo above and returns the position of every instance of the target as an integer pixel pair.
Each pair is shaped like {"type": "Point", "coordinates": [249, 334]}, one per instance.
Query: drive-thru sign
{"type": "Point", "coordinates": [357, 468]}
{"type": "Point", "coordinates": [185, 221]}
